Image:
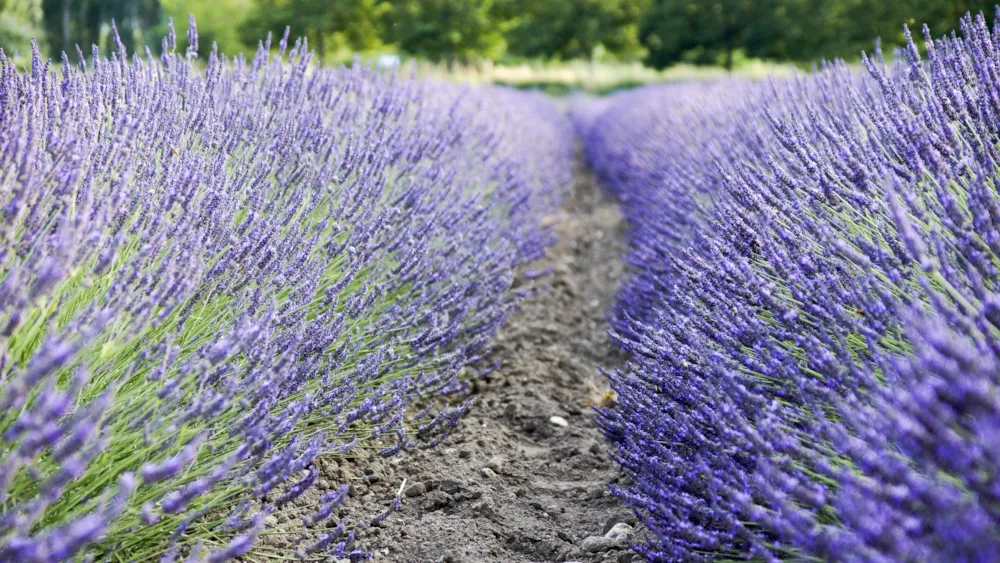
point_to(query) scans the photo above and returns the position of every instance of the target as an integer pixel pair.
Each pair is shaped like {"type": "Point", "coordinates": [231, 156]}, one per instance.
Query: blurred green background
{"type": "Point", "coordinates": [551, 44]}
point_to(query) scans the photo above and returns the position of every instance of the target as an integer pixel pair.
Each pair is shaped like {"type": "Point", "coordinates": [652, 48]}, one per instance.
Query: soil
{"type": "Point", "coordinates": [512, 483]}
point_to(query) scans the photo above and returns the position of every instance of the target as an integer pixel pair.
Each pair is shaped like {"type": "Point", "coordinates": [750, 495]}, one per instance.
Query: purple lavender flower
{"type": "Point", "coordinates": [812, 309]}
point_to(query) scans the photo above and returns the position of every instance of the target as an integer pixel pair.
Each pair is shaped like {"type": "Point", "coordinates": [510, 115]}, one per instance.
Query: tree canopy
{"type": "Point", "coordinates": [20, 21]}
{"type": "Point", "coordinates": [659, 32]}
{"type": "Point", "coordinates": [575, 29]}
{"type": "Point", "coordinates": [714, 31]}
{"type": "Point", "coordinates": [351, 24]}
{"type": "Point", "coordinates": [69, 23]}
{"type": "Point", "coordinates": [446, 29]}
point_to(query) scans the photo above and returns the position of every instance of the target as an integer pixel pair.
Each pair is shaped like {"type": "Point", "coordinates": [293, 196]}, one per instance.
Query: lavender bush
{"type": "Point", "coordinates": [813, 315]}
{"type": "Point", "coordinates": [211, 275]}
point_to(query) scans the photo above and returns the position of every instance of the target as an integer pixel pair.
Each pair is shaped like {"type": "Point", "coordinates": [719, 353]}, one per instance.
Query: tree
{"type": "Point", "coordinates": [452, 30]}
{"type": "Point", "coordinates": [218, 21]}
{"type": "Point", "coordinates": [69, 23]}
{"type": "Point", "coordinates": [354, 24]}
{"type": "Point", "coordinates": [885, 19]}
{"type": "Point", "coordinates": [20, 22]}
{"type": "Point", "coordinates": [569, 29]}
{"type": "Point", "coordinates": [712, 32]}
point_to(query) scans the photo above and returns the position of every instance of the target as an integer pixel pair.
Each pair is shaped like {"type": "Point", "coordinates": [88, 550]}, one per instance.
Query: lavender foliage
{"type": "Point", "coordinates": [214, 272]}
{"type": "Point", "coordinates": [812, 314]}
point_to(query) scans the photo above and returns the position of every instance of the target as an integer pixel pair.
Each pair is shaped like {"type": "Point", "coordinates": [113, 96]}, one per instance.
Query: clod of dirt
{"type": "Point", "coordinates": [495, 464]}
{"type": "Point", "coordinates": [436, 500]}
{"type": "Point", "coordinates": [484, 507]}
{"type": "Point", "coordinates": [416, 489]}
{"type": "Point", "coordinates": [620, 532]}
{"type": "Point", "coordinates": [599, 544]}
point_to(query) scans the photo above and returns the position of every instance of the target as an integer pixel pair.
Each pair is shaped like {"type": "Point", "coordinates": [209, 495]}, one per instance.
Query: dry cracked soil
{"type": "Point", "coordinates": [523, 477]}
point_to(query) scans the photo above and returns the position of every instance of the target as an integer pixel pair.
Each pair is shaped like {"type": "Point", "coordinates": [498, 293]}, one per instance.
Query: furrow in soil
{"type": "Point", "coordinates": [524, 475]}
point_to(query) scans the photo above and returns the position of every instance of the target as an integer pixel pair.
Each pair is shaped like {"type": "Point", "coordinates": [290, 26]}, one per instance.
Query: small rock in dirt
{"type": "Point", "coordinates": [488, 473]}
{"type": "Point", "coordinates": [416, 489]}
{"type": "Point", "coordinates": [464, 454]}
{"type": "Point", "coordinates": [323, 485]}
{"type": "Point", "coordinates": [271, 521]}
{"type": "Point", "coordinates": [559, 421]}
{"type": "Point", "coordinates": [496, 464]}
{"type": "Point", "coordinates": [597, 544]}
{"type": "Point", "coordinates": [484, 506]}
{"type": "Point", "coordinates": [628, 557]}
{"type": "Point", "coordinates": [437, 499]}
{"type": "Point", "coordinates": [625, 517]}
{"type": "Point", "coordinates": [564, 536]}
{"type": "Point", "coordinates": [510, 410]}
{"type": "Point", "coordinates": [620, 532]}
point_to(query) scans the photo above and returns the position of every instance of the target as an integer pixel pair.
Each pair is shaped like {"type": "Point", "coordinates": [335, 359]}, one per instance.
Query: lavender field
{"type": "Point", "coordinates": [260, 309]}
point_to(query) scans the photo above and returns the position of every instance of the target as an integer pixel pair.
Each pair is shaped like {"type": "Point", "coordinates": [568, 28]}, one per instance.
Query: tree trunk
{"type": "Point", "coordinates": [320, 48]}
{"type": "Point", "coordinates": [729, 58]}
{"type": "Point", "coordinates": [67, 45]}
{"type": "Point", "coordinates": [132, 30]}
{"type": "Point", "coordinates": [86, 34]}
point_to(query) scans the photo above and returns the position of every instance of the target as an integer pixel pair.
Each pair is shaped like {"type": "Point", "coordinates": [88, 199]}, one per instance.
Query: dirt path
{"type": "Point", "coordinates": [511, 483]}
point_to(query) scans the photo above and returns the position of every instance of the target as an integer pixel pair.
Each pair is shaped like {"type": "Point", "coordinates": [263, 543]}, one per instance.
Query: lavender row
{"type": "Point", "coordinates": [812, 314]}
{"type": "Point", "coordinates": [214, 272]}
